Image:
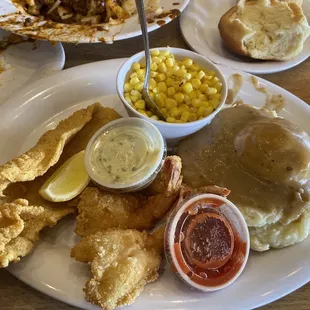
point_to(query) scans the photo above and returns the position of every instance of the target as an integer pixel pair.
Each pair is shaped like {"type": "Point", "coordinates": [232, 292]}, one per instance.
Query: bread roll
{"type": "Point", "coordinates": [265, 29]}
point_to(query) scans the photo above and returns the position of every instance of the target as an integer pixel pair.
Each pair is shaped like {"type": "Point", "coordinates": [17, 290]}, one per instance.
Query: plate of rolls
{"type": "Point", "coordinates": [257, 36]}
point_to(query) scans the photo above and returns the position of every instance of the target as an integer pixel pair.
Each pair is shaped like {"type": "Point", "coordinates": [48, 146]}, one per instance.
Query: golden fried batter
{"type": "Point", "coordinates": [121, 264]}
{"type": "Point", "coordinates": [23, 212]}
{"type": "Point", "coordinates": [99, 210]}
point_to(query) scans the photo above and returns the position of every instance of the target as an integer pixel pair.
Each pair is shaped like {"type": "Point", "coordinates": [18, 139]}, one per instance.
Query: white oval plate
{"type": "Point", "coordinates": [27, 62]}
{"type": "Point", "coordinates": [39, 107]}
{"type": "Point", "coordinates": [12, 20]}
{"type": "Point", "coordinates": [199, 26]}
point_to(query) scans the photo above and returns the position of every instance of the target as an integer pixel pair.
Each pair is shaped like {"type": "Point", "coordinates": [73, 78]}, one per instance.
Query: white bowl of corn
{"type": "Point", "coordinates": [188, 88]}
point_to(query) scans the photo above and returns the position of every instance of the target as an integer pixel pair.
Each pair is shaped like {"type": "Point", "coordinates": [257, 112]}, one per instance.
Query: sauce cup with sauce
{"type": "Point", "coordinates": [125, 155]}
{"type": "Point", "coordinates": [207, 242]}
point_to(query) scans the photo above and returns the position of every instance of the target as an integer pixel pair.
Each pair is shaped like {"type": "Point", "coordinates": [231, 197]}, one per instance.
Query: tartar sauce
{"type": "Point", "coordinates": [124, 154]}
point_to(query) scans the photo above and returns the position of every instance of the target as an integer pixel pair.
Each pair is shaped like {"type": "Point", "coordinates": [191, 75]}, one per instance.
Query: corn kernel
{"type": "Point", "coordinates": [127, 87]}
{"type": "Point", "coordinates": [156, 90]}
{"type": "Point", "coordinates": [196, 103]}
{"type": "Point", "coordinates": [218, 87]}
{"type": "Point", "coordinates": [142, 63]}
{"type": "Point", "coordinates": [162, 88]}
{"type": "Point", "coordinates": [187, 62]}
{"type": "Point", "coordinates": [194, 74]}
{"type": "Point", "coordinates": [152, 83]}
{"type": "Point", "coordinates": [156, 60]}
{"type": "Point", "coordinates": [183, 107]}
{"type": "Point", "coordinates": [160, 100]}
{"type": "Point", "coordinates": [171, 91]}
{"type": "Point", "coordinates": [135, 66]}
{"type": "Point", "coordinates": [142, 112]}
{"type": "Point", "coordinates": [202, 97]}
{"type": "Point", "coordinates": [196, 83]}
{"type": "Point", "coordinates": [138, 87]}
{"type": "Point", "coordinates": [133, 81]}
{"type": "Point", "coordinates": [208, 111]}
{"type": "Point", "coordinates": [174, 112]}
{"type": "Point", "coordinates": [217, 96]}
{"type": "Point", "coordinates": [163, 95]}
{"type": "Point", "coordinates": [155, 117]}
{"type": "Point", "coordinates": [187, 87]}
{"type": "Point", "coordinates": [211, 91]}
{"type": "Point", "coordinates": [192, 95]}
{"type": "Point", "coordinates": [152, 95]}
{"type": "Point", "coordinates": [135, 93]}
{"type": "Point", "coordinates": [204, 104]}
{"type": "Point", "coordinates": [169, 62]}
{"type": "Point", "coordinates": [200, 75]}
{"type": "Point", "coordinates": [200, 117]}
{"type": "Point", "coordinates": [153, 66]}
{"type": "Point", "coordinates": [216, 80]}
{"type": "Point", "coordinates": [128, 100]}
{"type": "Point", "coordinates": [195, 67]}
{"type": "Point", "coordinates": [170, 73]}
{"type": "Point", "coordinates": [187, 76]}
{"type": "Point", "coordinates": [149, 113]}
{"type": "Point", "coordinates": [175, 69]}
{"type": "Point", "coordinates": [153, 74]}
{"type": "Point", "coordinates": [141, 73]}
{"type": "Point", "coordinates": [180, 73]}
{"type": "Point", "coordinates": [185, 116]}
{"type": "Point", "coordinates": [192, 110]}
{"type": "Point", "coordinates": [155, 52]}
{"type": "Point", "coordinates": [163, 58]}
{"type": "Point", "coordinates": [161, 77]}
{"type": "Point", "coordinates": [170, 103]}
{"type": "Point", "coordinates": [169, 81]}
{"type": "Point", "coordinates": [200, 111]}
{"type": "Point", "coordinates": [170, 119]}
{"type": "Point", "coordinates": [192, 117]}
{"type": "Point", "coordinates": [214, 103]}
{"type": "Point", "coordinates": [187, 99]}
{"type": "Point", "coordinates": [164, 111]}
{"type": "Point", "coordinates": [162, 68]}
{"type": "Point", "coordinates": [203, 87]}
{"type": "Point", "coordinates": [179, 97]}
{"type": "Point", "coordinates": [165, 53]}
{"type": "Point", "coordinates": [134, 99]}
{"type": "Point", "coordinates": [132, 75]}
{"type": "Point", "coordinates": [140, 104]}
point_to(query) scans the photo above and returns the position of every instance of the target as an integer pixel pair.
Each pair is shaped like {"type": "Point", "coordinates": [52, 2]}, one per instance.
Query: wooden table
{"type": "Point", "coordinates": [14, 295]}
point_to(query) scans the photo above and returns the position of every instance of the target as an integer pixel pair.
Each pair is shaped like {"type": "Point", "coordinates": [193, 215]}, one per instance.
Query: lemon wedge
{"type": "Point", "coordinates": [67, 181]}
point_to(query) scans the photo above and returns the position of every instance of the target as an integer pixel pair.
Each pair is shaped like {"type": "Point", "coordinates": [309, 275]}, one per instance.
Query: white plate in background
{"type": "Point", "coordinates": [75, 33]}
{"type": "Point", "coordinates": [49, 268]}
{"type": "Point", "coordinates": [26, 62]}
{"type": "Point", "coordinates": [199, 26]}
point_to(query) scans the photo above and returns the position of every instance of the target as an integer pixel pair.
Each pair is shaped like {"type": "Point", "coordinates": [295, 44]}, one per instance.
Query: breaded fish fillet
{"type": "Point", "coordinates": [23, 212]}
{"type": "Point", "coordinates": [100, 210]}
{"type": "Point", "coordinates": [122, 262]}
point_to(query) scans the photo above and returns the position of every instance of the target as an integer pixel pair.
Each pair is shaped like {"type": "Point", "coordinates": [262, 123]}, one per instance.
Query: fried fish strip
{"type": "Point", "coordinates": [99, 210]}
{"type": "Point", "coordinates": [23, 212]}
{"type": "Point", "coordinates": [121, 262]}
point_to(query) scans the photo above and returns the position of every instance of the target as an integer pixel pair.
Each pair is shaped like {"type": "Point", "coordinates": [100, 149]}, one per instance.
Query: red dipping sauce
{"type": "Point", "coordinates": [207, 242]}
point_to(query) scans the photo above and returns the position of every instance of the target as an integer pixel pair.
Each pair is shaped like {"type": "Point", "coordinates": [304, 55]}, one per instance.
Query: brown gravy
{"type": "Point", "coordinates": [264, 161]}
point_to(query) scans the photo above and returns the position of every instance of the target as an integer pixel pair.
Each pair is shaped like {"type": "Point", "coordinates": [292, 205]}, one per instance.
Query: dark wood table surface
{"type": "Point", "coordinates": [15, 295]}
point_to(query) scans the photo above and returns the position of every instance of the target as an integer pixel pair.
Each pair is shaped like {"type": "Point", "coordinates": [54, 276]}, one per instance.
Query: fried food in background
{"type": "Point", "coordinates": [265, 161]}
{"type": "Point", "coordinates": [121, 263]}
{"type": "Point", "coordinates": [23, 212]}
{"type": "Point", "coordinates": [265, 29]}
{"type": "Point", "coordinates": [99, 210]}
